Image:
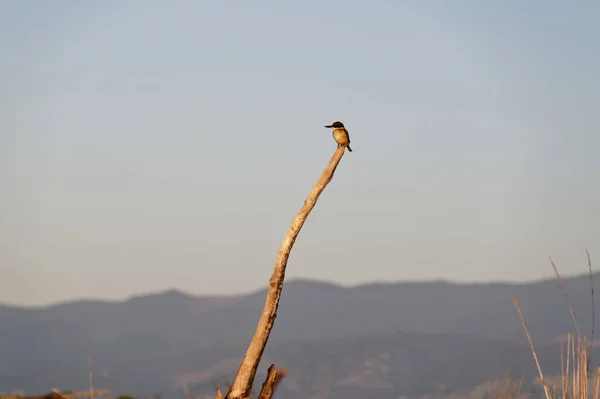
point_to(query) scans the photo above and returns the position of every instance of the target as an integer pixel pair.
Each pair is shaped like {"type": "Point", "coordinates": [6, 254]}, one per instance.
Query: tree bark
{"type": "Point", "coordinates": [242, 384]}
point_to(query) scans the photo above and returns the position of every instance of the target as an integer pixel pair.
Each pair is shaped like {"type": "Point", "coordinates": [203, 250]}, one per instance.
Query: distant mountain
{"type": "Point", "coordinates": [144, 344]}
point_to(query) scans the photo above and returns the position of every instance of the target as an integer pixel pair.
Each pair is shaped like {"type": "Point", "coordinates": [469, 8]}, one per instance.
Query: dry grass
{"type": "Point", "coordinates": [506, 388]}
{"type": "Point", "coordinates": [576, 380]}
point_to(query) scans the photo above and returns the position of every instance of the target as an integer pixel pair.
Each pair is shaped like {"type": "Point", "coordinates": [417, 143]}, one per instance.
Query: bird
{"type": "Point", "coordinates": [340, 134]}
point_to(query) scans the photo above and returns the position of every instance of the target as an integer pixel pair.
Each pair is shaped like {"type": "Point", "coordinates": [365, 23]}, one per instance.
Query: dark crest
{"type": "Point", "coordinates": [336, 124]}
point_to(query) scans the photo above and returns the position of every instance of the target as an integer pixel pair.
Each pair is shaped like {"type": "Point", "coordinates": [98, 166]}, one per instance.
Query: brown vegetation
{"type": "Point", "coordinates": [577, 380]}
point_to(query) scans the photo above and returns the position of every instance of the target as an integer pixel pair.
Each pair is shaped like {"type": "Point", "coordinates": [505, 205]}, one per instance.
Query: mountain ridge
{"type": "Point", "coordinates": [291, 281]}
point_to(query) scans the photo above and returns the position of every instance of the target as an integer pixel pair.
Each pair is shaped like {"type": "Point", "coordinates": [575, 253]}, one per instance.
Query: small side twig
{"type": "Point", "coordinates": [537, 363]}
{"type": "Point", "coordinates": [266, 392]}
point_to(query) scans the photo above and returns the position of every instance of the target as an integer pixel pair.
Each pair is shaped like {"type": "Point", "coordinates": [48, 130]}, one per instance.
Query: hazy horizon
{"type": "Point", "coordinates": [151, 145]}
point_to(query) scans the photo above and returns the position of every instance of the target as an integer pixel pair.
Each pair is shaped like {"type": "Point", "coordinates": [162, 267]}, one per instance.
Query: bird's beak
{"type": "Point", "coordinates": [329, 126]}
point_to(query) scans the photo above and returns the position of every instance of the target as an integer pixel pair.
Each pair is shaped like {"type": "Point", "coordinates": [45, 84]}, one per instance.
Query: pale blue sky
{"type": "Point", "coordinates": [154, 144]}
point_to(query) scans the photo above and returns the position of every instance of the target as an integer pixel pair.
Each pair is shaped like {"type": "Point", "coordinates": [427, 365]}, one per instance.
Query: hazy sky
{"type": "Point", "coordinates": [153, 144]}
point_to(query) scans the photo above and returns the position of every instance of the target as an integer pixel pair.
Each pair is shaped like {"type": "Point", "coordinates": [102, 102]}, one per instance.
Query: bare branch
{"type": "Point", "coordinates": [242, 384]}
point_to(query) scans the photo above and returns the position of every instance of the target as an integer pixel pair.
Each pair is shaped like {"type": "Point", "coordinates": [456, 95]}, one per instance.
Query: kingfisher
{"type": "Point", "coordinates": [340, 134]}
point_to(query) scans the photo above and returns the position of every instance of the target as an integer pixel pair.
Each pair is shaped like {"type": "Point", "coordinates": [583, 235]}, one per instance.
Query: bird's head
{"type": "Point", "coordinates": [335, 125]}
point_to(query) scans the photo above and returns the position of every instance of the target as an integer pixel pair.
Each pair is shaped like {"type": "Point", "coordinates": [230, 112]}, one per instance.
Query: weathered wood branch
{"type": "Point", "coordinates": [266, 392]}
{"type": "Point", "coordinates": [242, 384]}
{"type": "Point", "coordinates": [271, 382]}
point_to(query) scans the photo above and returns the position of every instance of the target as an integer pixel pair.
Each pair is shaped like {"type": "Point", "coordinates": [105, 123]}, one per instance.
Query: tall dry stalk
{"type": "Point", "coordinates": [575, 377]}
{"type": "Point", "coordinates": [537, 362]}
{"type": "Point", "coordinates": [564, 291]}
{"type": "Point", "coordinates": [242, 384]}
{"type": "Point", "coordinates": [575, 356]}
{"type": "Point", "coordinates": [589, 259]}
